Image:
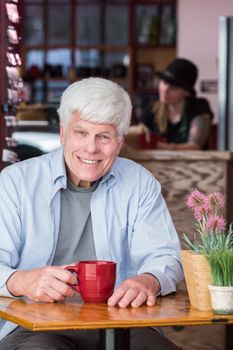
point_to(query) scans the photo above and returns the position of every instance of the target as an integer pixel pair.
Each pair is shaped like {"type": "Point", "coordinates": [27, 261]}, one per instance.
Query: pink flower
{"type": "Point", "coordinates": [215, 200]}
{"type": "Point", "coordinates": [196, 199]}
{"type": "Point", "coordinates": [203, 212]}
{"type": "Point", "coordinates": [210, 225]}
{"type": "Point", "coordinates": [216, 223]}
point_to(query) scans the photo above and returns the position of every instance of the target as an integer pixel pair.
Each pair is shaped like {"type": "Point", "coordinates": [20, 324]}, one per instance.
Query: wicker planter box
{"type": "Point", "coordinates": [197, 276]}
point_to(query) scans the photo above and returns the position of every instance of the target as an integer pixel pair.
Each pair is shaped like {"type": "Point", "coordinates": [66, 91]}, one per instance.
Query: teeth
{"type": "Point", "coordinates": [87, 161]}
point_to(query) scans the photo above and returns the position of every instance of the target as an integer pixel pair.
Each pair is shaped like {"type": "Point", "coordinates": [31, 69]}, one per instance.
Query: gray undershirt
{"type": "Point", "coordinates": [75, 240]}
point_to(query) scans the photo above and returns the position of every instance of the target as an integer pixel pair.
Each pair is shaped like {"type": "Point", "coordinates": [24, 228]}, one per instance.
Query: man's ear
{"type": "Point", "coordinates": [121, 144]}
{"type": "Point", "coordinates": [62, 133]}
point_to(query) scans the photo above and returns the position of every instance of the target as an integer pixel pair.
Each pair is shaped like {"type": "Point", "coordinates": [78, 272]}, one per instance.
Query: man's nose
{"type": "Point", "coordinates": [92, 144]}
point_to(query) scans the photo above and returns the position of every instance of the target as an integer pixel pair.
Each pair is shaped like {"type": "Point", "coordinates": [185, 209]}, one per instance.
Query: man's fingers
{"type": "Point", "coordinates": [55, 295]}
{"type": "Point", "coordinates": [51, 283]}
{"type": "Point", "coordinates": [130, 295]}
{"type": "Point", "coordinates": [63, 289]}
{"type": "Point", "coordinates": [151, 300]}
{"type": "Point", "coordinates": [45, 299]}
{"type": "Point", "coordinates": [64, 275]}
{"type": "Point", "coordinates": [136, 291]}
{"type": "Point", "coordinates": [140, 299]}
{"type": "Point", "coordinates": [117, 296]}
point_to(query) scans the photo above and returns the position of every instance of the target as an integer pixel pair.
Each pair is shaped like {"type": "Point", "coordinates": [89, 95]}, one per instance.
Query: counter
{"type": "Point", "coordinates": [181, 172]}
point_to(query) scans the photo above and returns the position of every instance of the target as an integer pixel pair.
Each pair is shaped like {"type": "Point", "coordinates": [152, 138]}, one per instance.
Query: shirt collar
{"type": "Point", "coordinates": [59, 170]}
{"type": "Point", "coordinates": [111, 177]}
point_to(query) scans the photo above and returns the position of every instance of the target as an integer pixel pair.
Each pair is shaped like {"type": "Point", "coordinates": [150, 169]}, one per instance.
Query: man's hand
{"type": "Point", "coordinates": [136, 291]}
{"type": "Point", "coordinates": [46, 284]}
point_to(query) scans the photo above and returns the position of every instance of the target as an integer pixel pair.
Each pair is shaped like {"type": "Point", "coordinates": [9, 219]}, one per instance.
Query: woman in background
{"type": "Point", "coordinates": [182, 119]}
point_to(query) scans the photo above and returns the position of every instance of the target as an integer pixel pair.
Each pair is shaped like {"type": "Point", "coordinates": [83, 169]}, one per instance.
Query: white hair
{"type": "Point", "coordinates": [97, 100]}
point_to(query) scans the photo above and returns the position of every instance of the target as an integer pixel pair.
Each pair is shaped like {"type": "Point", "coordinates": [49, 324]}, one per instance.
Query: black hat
{"type": "Point", "coordinates": [180, 72]}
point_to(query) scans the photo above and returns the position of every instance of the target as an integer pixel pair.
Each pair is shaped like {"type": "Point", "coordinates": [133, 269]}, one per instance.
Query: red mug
{"type": "Point", "coordinates": [96, 279]}
{"type": "Point", "coordinates": [152, 144]}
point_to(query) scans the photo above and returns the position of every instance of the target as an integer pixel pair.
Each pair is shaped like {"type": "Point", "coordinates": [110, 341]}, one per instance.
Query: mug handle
{"type": "Point", "coordinates": [74, 269]}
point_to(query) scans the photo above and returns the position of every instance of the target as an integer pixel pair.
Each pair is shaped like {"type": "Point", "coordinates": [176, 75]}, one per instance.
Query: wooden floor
{"type": "Point", "coordinates": [197, 337]}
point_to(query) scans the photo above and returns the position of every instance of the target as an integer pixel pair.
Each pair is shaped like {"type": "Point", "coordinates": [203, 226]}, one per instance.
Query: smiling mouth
{"type": "Point", "coordinates": [88, 161]}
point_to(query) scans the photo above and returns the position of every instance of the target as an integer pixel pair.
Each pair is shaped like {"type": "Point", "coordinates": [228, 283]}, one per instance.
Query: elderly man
{"type": "Point", "coordinates": [83, 202]}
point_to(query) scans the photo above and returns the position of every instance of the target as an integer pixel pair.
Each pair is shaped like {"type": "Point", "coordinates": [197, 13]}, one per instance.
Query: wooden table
{"type": "Point", "coordinates": [115, 323]}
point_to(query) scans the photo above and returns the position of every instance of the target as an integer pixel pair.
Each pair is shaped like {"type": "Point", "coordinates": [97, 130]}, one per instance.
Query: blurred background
{"type": "Point", "coordinates": [48, 44]}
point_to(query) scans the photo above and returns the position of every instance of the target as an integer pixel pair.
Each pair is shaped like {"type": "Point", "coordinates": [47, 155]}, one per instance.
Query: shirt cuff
{"type": "Point", "coordinates": [5, 273]}
{"type": "Point", "coordinates": [4, 292]}
{"type": "Point", "coordinates": [165, 285]}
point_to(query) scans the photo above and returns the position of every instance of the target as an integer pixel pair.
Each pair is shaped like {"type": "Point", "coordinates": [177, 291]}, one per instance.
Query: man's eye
{"type": "Point", "coordinates": [104, 139]}
{"type": "Point", "coordinates": [79, 132]}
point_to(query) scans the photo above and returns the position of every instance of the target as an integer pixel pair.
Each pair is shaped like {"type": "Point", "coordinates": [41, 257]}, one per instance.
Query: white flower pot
{"type": "Point", "coordinates": [221, 299]}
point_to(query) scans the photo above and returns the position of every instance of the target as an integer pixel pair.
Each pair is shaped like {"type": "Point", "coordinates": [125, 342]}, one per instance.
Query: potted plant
{"type": "Point", "coordinates": [213, 243]}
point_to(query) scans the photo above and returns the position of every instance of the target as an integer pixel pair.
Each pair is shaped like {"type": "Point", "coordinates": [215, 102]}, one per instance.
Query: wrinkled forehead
{"type": "Point", "coordinates": [76, 121]}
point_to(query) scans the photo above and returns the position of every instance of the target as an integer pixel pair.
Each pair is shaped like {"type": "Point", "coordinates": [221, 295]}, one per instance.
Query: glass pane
{"type": "Point", "coordinates": [38, 91]}
{"type": "Point", "coordinates": [116, 64]}
{"type": "Point", "coordinates": [58, 1]}
{"type": "Point", "coordinates": [32, 1]}
{"type": "Point", "coordinates": [84, 2]}
{"type": "Point", "coordinates": [58, 62]}
{"type": "Point", "coordinates": [88, 23]}
{"type": "Point", "coordinates": [113, 57]}
{"type": "Point", "coordinates": [34, 63]}
{"type": "Point", "coordinates": [88, 63]}
{"type": "Point", "coordinates": [59, 29]}
{"type": "Point", "coordinates": [33, 25]}
{"type": "Point", "coordinates": [106, 64]}
{"type": "Point", "coordinates": [91, 1]}
{"type": "Point", "coordinates": [90, 58]}
{"type": "Point", "coordinates": [117, 25]}
{"type": "Point", "coordinates": [141, 102]}
{"type": "Point", "coordinates": [118, 1]}
{"type": "Point", "coordinates": [168, 25]}
{"type": "Point", "coordinates": [147, 23]}
{"type": "Point", "coordinates": [55, 89]}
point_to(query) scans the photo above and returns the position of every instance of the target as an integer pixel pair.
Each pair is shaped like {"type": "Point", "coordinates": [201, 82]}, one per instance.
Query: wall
{"type": "Point", "coordinates": [198, 22]}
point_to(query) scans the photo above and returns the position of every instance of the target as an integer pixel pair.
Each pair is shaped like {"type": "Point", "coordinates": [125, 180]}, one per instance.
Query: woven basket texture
{"type": "Point", "coordinates": [197, 277]}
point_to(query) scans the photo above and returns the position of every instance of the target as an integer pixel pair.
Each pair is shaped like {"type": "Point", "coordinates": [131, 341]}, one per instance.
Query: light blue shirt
{"type": "Point", "coordinates": [131, 222]}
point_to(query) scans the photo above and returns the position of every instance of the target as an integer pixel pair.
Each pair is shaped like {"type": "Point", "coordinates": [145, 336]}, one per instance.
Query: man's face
{"type": "Point", "coordinates": [89, 149]}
